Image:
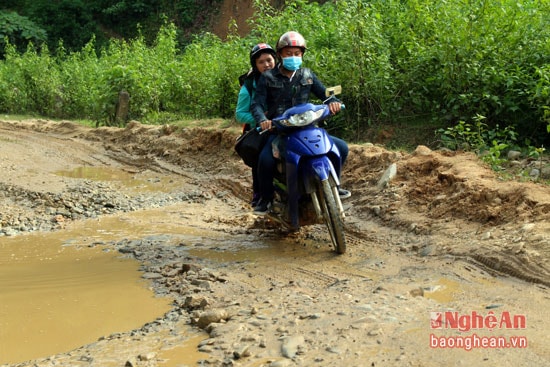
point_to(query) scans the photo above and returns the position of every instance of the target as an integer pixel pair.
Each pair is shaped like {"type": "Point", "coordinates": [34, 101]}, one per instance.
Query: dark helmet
{"type": "Point", "coordinates": [291, 39]}
{"type": "Point", "coordinates": [259, 49]}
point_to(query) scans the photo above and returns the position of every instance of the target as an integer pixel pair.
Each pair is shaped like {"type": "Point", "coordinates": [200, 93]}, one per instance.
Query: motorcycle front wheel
{"type": "Point", "coordinates": [332, 217]}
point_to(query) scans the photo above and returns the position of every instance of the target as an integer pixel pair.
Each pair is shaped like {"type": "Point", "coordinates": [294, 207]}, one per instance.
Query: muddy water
{"type": "Point", "coordinates": [57, 294]}
{"type": "Point", "coordinates": [144, 181]}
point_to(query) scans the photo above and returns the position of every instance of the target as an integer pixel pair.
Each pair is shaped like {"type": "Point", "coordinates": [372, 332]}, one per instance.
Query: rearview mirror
{"type": "Point", "coordinates": [332, 91]}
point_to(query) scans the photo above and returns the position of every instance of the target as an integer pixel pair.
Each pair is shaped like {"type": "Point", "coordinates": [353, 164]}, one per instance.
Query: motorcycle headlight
{"type": "Point", "coordinates": [303, 119]}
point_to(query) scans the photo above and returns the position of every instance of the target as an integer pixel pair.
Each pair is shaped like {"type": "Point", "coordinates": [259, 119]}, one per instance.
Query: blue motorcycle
{"type": "Point", "coordinates": [306, 181]}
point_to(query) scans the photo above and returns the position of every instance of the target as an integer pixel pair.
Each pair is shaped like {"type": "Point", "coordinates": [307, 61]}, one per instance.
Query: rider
{"type": "Point", "coordinates": [286, 85]}
{"type": "Point", "coordinates": [262, 58]}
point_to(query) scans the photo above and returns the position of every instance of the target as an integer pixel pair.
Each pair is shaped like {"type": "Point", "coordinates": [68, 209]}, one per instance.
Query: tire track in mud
{"type": "Point", "coordinates": [508, 266]}
{"type": "Point", "coordinates": [501, 265]}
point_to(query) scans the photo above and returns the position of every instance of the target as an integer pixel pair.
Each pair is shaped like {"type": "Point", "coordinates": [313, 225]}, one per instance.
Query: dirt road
{"type": "Point", "coordinates": [445, 237]}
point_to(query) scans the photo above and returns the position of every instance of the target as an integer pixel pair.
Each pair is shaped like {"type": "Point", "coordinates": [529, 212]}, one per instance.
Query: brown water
{"type": "Point", "coordinates": [58, 293]}
{"type": "Point", "coordinates": [56, 296]}
{"type": "Point", "coordinates": [137, 181]}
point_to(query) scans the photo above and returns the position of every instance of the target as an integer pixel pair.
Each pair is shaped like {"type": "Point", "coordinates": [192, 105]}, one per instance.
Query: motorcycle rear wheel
{"type": "Point", "coordinates": [333, 219]}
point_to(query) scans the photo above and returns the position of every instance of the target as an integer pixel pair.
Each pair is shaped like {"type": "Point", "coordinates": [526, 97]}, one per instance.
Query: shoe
{"type": "Point", "coordinates": [263, 207]}
{"type": "Point", "coordinates": [255, 200]}
{"type": "Point", "coordinates": [344, 194]}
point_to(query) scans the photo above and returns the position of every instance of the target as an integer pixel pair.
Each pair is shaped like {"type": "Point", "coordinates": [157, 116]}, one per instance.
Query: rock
{"type": "Point", "coordinates": [151, 276]}
{"type": "Point", "coordinates": [190, 267]}
{"type": "Point", "coordinates": [147, 356]}
{"type": "Point", "coordinates": [311, 316]}
{"type": "Point", "coordinates": [195, 302]}
{"type": "Point", "coordinates": [417, 292]}
{"type": "Point", "coordinates": [534, 173]}
{"type": "Point", "coordinates": [374, 332]}
{"type": "Point", "coordinates": [427, 250]}
{"type": "Point", "coordinates": [376, 209]}
{"type": "Point", "coordinates": [208, 317]}
{"type": "Point", "coordinates": [334, 350]}
{"type": "Point", "coordinates": [513, 155]}
{"type": "Point", "coordinates": [131, 362]}
{"type": "Point", "coordinates": [242, 353]}
{"type": "Point", "coordinates": [422, 150]}
{"type": "Point", "coordinates": [290, 345]}
{"type": "Point", "coordinates": [204, 284]}
{"type": "Point", "coordinates": [388, 175]}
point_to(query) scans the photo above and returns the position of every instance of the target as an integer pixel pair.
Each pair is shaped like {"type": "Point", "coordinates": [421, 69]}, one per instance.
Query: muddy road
{"type": "Point", "coordinates": [446, 265]}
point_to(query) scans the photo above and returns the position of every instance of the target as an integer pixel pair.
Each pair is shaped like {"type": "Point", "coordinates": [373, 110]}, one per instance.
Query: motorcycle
{"type": "Point", "coordinates": [306, 180]}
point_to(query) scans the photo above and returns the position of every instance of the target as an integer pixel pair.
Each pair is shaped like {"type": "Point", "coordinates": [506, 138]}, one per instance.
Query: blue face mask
{"type": "Point", "coordinates": [292, 63]}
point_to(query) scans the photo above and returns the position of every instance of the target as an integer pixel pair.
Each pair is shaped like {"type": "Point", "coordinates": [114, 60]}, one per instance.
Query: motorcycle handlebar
{"type": "Point", "coordinates": [258, 128]}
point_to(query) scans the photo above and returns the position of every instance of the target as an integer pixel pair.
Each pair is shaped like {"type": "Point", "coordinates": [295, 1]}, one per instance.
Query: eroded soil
{"type": "Point", "coordinates": [445, 234]}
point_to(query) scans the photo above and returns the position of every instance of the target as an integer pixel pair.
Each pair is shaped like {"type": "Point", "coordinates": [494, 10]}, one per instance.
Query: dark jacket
{"type": "Point", "coordinates": [275, 92]}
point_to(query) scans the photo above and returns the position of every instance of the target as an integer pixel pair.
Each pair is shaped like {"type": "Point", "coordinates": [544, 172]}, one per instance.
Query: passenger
{"type": "Point", "coordinates": [285, 86]}
{"type": "Point", "coordinates": [262, 58]}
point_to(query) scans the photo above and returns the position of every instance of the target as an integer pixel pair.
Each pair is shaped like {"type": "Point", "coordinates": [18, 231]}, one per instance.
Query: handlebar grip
{"type": "Point", "coordinates": [342, 106]}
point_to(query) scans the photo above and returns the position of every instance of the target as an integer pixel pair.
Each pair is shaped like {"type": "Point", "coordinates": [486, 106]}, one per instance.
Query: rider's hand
{"type": "Point", "coordinates": [265, 125]}
{"type": "Point", "coordinates": [335, 107]}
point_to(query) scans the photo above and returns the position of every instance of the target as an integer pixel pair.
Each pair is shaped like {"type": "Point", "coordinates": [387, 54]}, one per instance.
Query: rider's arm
{"type": "Point", "coordinates": [258, 105]}
{"type": "Point", "coordinates": [319, 90]}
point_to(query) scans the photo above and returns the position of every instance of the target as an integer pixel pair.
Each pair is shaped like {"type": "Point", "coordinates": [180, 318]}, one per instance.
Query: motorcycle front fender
{"type": "Point", "coordinates": [321, 168]}
{"type": "Point", "coordinates": [314, 170]}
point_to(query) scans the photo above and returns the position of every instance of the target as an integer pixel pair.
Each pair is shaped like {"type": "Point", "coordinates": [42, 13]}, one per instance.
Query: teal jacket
{"type": "Point", "coordinates": [246, 96]}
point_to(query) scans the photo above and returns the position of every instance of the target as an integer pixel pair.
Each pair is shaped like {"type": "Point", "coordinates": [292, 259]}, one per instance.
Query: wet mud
{"type": "Point", "coordinates": [229, 288]}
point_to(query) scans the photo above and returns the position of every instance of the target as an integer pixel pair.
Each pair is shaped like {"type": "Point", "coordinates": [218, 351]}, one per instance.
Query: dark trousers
{"type": "Point", "coordinates": [266, 165]}
{"type": "Point", "coordinates": [255, 182]}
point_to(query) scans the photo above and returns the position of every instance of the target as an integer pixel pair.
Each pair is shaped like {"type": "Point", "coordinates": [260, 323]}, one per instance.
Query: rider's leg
{"type": "Point", "coordinates": [266, 167]}
{"type": "Point", "coordinates": [344, 151]}
{"type": "Point", "coordinates": [255, 187]}
{"type": "Point", "coordinates": [342, 147]}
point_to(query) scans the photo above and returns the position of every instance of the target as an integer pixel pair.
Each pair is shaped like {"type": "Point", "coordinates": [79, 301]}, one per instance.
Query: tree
{"type": "Point", "coordinates": [66, 20]}
{"type": "Point", "coordinates": [19, 31]}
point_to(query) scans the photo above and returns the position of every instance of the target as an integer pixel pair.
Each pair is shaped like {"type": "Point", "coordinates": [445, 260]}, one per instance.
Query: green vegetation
{"type": "Point", "coordinates": [457, 66]}
{"type": "Point", "coordinates": [76, 22]}
{"type": "Point", "coordinates": [477, 137]}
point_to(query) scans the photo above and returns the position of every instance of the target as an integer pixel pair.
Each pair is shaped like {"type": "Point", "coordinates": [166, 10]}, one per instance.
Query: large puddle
{"type": "Point", "coordinates": [56, 295]}
{"type": "Point", "coordinates": [57, 292]}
